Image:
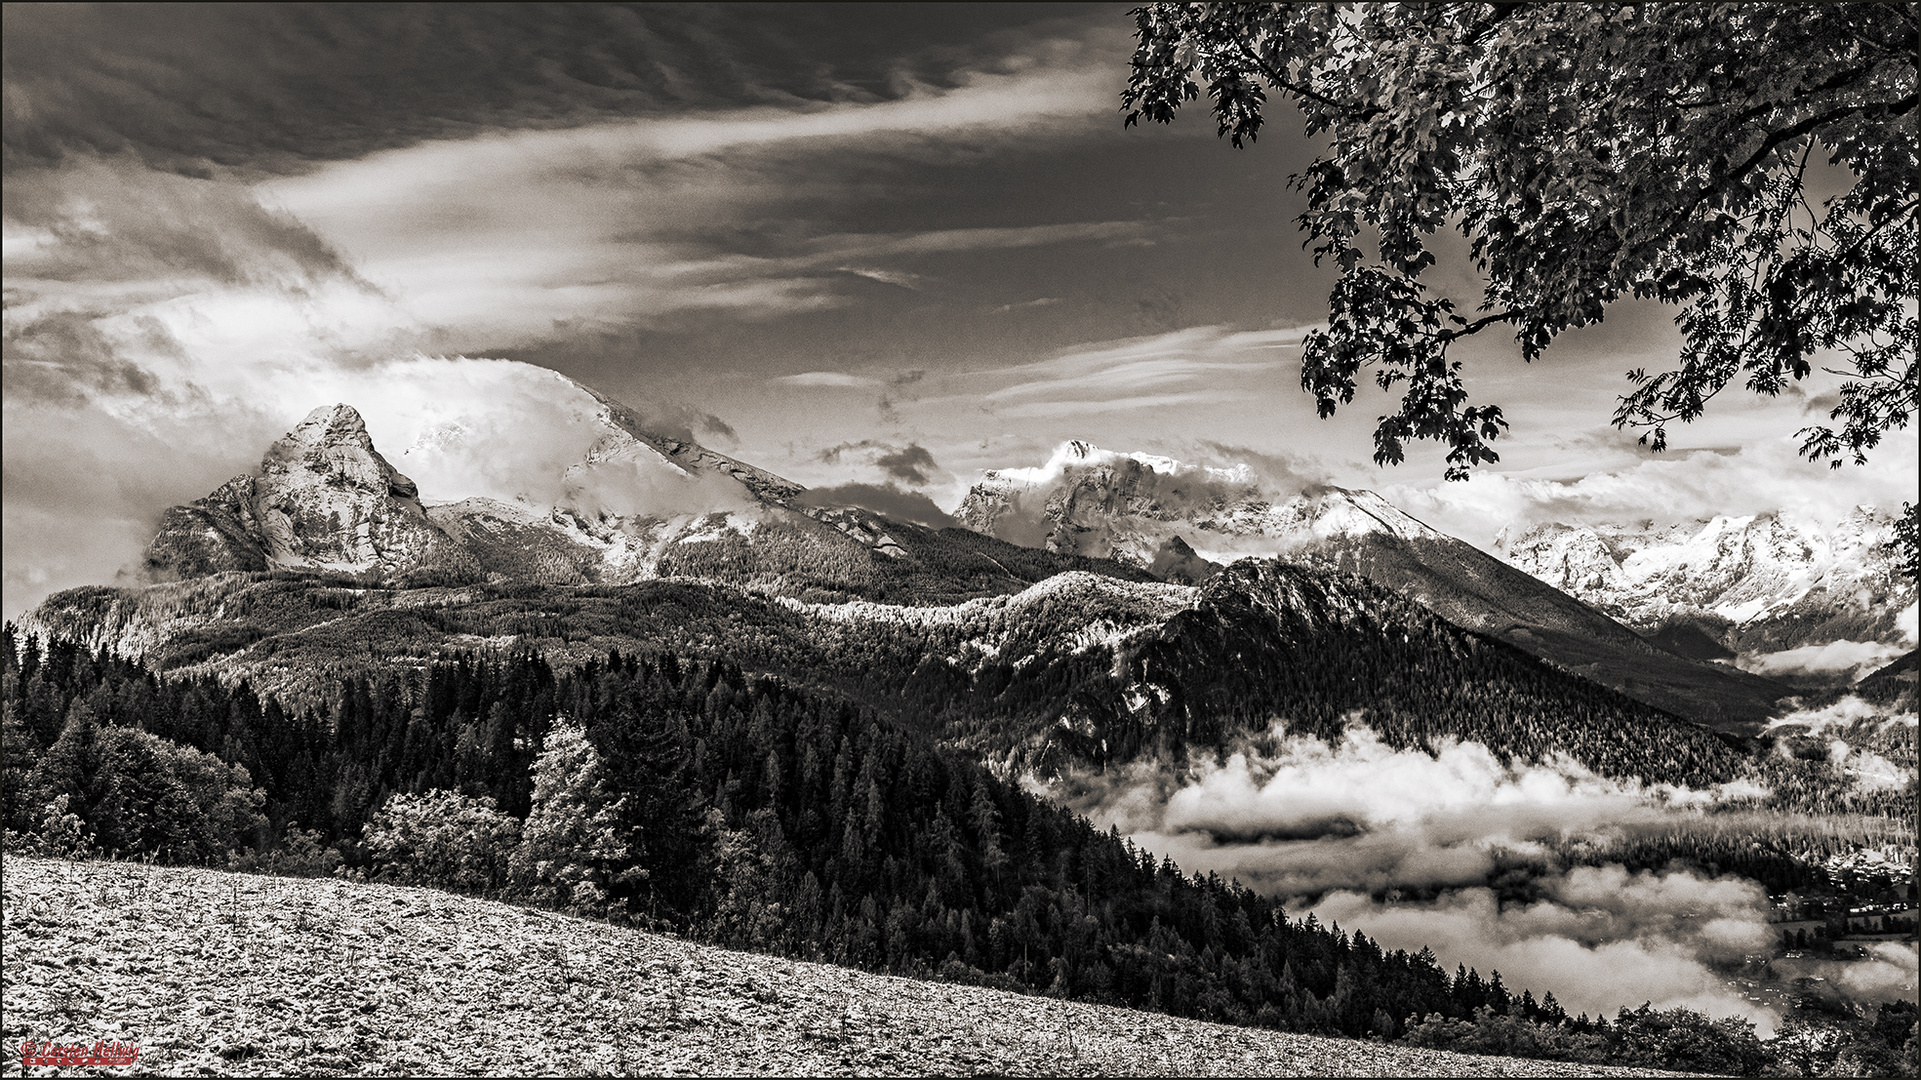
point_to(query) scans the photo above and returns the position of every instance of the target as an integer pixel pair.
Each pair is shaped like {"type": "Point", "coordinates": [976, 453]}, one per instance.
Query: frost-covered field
{"type": "Point", "coordinates": [213, 972]}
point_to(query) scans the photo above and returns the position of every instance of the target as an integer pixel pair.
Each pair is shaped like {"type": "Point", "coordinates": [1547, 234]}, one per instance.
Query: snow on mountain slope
{"type": "Point", "coordinates": [1763, 586]}
{"type": "Point", "coordinates": [1129, 506]}
{"type": "Point", "coordinates": [581, 491]}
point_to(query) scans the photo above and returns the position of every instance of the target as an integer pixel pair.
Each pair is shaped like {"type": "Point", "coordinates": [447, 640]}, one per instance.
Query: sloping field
{"type": "Point", "coordinates": [231, 974]}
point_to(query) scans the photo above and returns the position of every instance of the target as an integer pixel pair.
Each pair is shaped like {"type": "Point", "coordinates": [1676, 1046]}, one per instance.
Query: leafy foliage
{"type": "Point", "coordinates": [573, 847]}
{"type": "Point", "coordinates": [1588, 153]}
{"type": "Point", "coordinates": [442, 838]}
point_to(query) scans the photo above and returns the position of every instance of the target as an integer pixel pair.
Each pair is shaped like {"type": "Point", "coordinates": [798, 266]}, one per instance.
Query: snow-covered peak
{"type": "Point", "coordinates": [1131, 506]}
{"type": "Point", "coordinates": [1340, 512]}
{"type": "Point", "coordinates": [1783, 580]}
{"type": "Point", "coordinates": [1076, 453]}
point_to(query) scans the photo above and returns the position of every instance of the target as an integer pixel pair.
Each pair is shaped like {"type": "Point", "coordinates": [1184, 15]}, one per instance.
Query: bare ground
{"type": "Point", "coordinates": [216, 973]}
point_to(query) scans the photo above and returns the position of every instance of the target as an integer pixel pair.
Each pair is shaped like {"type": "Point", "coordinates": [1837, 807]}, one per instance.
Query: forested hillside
{"type": "Point", "coordinates": [688, 794]}
{"type": "Point", "coordinates": [1078, 670]}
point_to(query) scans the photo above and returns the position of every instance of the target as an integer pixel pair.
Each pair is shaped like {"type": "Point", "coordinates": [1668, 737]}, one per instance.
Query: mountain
{"type": "Point", "coordinates": [1733, 586]}
{"type": "Point", "coordinates": [635, 506]}
{"type": "Point", "coordinates": [1077, 670]}
{"type": "Point", "coordinates": [1043, 659]}
{"type": "Point", "coordinates": [1135, 507]}
{"type": "Point", "coordinates": [323, 499]}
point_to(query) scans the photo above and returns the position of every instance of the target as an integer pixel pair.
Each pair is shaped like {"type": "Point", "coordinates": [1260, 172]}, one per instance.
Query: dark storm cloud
{"type": "Point", "coordinates": [912, 464]}
{"type": "Point", "coordinates": [54, 358]}
{"type": "Point", "coordinates": [714, 425]}
{"type": "Point", "coordinates": [909, 465]}
{"type": "Point", "coordinates": [887, 500]}
{"type": "Point", "coordinates": [277, 87]}
{"type": "Point", "coordinates": [62, 358]}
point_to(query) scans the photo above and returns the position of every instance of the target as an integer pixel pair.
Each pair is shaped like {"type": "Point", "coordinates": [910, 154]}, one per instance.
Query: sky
{"type": "Point", "coordinates": [865, 244]}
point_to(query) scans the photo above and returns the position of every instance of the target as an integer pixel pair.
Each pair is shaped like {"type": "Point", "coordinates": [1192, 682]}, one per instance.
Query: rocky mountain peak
{"type": "Point", "coordinates": [332, 443]}
{"type": "Point", "coordinates": [1088, 501]}
{"type": "Point", "coordinates": [323, 498]}
{"type": "Point", "coordinates": [1755, 584]}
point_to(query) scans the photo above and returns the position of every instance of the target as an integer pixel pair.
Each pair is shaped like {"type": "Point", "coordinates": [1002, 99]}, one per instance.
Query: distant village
{"type": "Point", "coordinates": [1871, 897]}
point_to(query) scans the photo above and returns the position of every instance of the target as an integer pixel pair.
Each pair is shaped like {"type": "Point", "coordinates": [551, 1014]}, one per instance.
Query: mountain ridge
{"type": "Point", "coordinates": [1750, 584]}
{"type": "Point", "coordinates": [1136, 507]}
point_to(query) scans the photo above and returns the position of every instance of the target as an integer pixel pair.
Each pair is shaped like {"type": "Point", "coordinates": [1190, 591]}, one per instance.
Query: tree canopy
{"type": "Point", "coordinates": [1587, 153]}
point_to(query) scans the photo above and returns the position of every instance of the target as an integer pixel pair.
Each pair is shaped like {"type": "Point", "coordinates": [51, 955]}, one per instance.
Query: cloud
{"type": "Point", "coordinates": [887, 500]}
{"type": "Point", "coordinates": [197, 203]}
{"type": "Point", "coordinates": [1039, 301]}
{"type": "Point", "coordinates": [277, 88]}
{"type": "Point", "coordinates": [827, 378]}
{"type": "Point", "coordinates": [1600, 939]}
{"type": "Point", "coordinates": [900, 278]}
{"type": "Point", "coordinates": [1280, 475]}
{"type": "Point", "coordinates": [1293, 815]}
{"type": "Point", "coordinates": [1765, 476]}
{"type": "Point", "coordinates": [1057, 409]}
{"type": "Point", "coordinates": [1163, 497]}
{"type": "Point", "coordinates": [1158, 359]}
{"type": "Point", "coordinates": [1450, 851]}
{"type": "Point", "coordinates": [115, 462]}
{"type": "Point", "coordinates": [912, 464]}
{"type": "Point", "coordinates": [117, 221]}
{"type": "Point", "coordinates": [1849, 713]}
{"type": "Point", "coordinates": [1849, 660]}
{"type": "Point", "coordinates": [942, 241]}
{"type": "Point", "coordinates": [644, 487]}
{"type": "Point", "coordinates": [714, 425]}
{"type": "Point", "coordinates": [61, 357]}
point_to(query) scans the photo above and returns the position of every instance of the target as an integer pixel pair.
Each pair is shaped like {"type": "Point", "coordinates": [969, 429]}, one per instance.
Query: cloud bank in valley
{"type": "Point", "coordinates": [1599, 939]}
{"type": "Point", "coordinates": [1846, 661]}
{"type": "Point", "coordinates": [1299, 816]}
{"type": "Point", "coordinates": [1419, 849]}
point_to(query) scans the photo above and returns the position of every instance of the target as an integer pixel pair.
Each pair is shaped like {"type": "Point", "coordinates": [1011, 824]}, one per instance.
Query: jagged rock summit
{"type": "Point", "coordinates": [323, 499]}
{"type": "Point", "coordinates": [598, 496]}
{"type": "Point", "coordinates": [1145, 509]}
{"type": "Point", "coordinates": [1755, 583]}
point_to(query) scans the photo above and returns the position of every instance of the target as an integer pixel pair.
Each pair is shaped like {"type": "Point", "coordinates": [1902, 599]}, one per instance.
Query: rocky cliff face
{"type": "Point", "coordinates": [323, 499]}
{"type": "Point", "coordinates": [1751, 584]}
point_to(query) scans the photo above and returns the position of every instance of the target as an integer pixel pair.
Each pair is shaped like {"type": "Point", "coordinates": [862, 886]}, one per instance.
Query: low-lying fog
{"type": "Point", "coordinates": [1455, 851]}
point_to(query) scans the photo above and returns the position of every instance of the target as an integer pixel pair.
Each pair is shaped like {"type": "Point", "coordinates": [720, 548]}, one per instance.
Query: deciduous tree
{"type": "Point", "coordinates": [1588, 153]}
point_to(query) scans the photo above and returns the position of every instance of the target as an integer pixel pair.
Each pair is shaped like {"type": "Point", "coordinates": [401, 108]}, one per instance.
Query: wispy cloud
{"type": "Point", "coordinates": [1040, 409]}
{"type": "Point", "coordinates": [828, 378]}
{"type": "Point", "coordinates": [1039, 301]}
{"type": "Point", "coordinates": [912, 464]}
{"type": "Point", "coordinates": [1765, 476]}
{"type": "Point", "coordinates": [899, 278]}
{"type": "Point", "coordinates": [1187, 367]}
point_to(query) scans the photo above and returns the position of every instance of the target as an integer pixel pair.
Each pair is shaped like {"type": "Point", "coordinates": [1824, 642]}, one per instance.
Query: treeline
{"type": "Point", "coordinates": [1783, 852]}
{"type": "Point", "coordinates": [741, 810]}
{"type": "Point", "coordinates": [1311, 649]}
